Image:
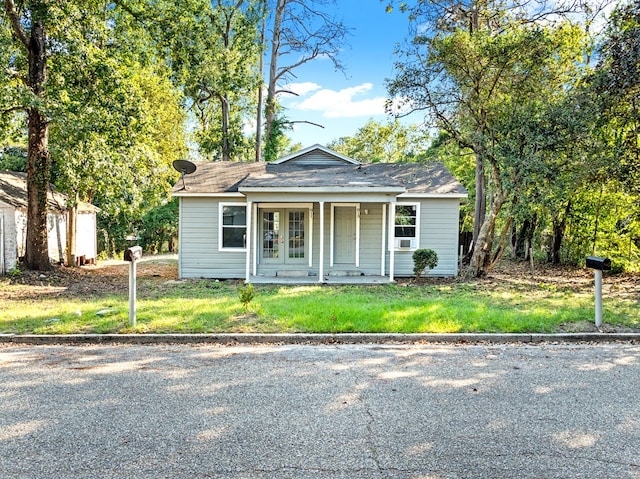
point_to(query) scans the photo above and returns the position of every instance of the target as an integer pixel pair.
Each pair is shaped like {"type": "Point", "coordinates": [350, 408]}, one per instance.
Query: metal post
{"type": "Point", "coordinates": [132, 293]}
{"type": "Point", "coordinates": [598, 298]}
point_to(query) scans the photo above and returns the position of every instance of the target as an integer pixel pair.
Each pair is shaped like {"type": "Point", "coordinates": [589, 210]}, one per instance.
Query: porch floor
{"type": "Point", "coordinates": [360, 280]}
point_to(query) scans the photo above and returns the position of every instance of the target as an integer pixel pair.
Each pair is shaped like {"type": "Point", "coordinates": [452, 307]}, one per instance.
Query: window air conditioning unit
{"type": "Point", "coordinates": [405, 243]}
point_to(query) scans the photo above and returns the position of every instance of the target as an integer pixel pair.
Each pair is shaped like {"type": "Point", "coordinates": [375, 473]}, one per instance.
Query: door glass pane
{"type": "Point", "coordinates": [296, 234]}
{"type": "Point", "coordinates": [271, 234]}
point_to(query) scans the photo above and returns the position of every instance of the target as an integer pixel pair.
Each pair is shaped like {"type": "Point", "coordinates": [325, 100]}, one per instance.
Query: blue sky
{"type": "Point", "coordinates": [344, 101]}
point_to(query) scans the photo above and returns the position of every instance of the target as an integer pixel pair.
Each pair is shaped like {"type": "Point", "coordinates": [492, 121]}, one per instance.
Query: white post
{"type": "Point", "coordinates": [598, 298]}
{"type": "Point", "coordinates": [321, 259]}
{"type": "Point", "coordinates": [392, 246]}
{"type": "Point", "coordinates": [247, 243]}
{"type": "Point", "coordinates": [132, 293]}
{"type": "Point", "coordinates": [383, 256]}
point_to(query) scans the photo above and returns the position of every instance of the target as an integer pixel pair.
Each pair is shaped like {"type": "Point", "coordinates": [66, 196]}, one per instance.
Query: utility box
{"type": "Point", "coordinates": [133, 254]}
{"type": "Point", "coordinates": [596, 262]}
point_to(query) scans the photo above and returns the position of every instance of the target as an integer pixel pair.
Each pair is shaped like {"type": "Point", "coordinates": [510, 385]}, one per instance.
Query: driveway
{"type": "Point", "coordinates": [328, 411]}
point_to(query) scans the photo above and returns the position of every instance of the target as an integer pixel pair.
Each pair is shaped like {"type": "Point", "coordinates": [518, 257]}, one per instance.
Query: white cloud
{"type": "Point", "coordinates": [302, 88]}
{"type": "Point", "coordinates": [342, 103]}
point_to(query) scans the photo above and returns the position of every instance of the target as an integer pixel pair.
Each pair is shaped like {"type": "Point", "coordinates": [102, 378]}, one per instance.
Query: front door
{"type": "Point", "coordinates": [283, 233]}
{"type": "Point", "coordinates": [345, 235]}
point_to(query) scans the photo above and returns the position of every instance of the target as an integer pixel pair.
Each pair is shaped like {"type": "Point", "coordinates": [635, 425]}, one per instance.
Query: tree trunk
{"type": "Point", "coordinates": [482, 259]}
{"type": "Point", "coordinates": [38, 158]}
{"type": "Point", "coordinates": [481, 198]}
{"type": "Point", "coordinates": [72, 217]}
{"type": "Point", "coordinates": [559, 227]}
{"type": "Point", "coordinates": [260, 87]}
{"type": "Point", "coordinates": [270, 103]}
{"type": "Point", "coordinates": [226, 151]}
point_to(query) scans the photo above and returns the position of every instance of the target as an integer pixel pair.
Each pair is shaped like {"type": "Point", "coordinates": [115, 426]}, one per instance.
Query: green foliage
{"type": "Point", "coordinates": [424, 259]}
{"type": "Point", "coordinates": [159, 227]}
{"type": "Point", "coordinates": [246, 294]}
{"type": "Point", "coordinates": [388, 142]}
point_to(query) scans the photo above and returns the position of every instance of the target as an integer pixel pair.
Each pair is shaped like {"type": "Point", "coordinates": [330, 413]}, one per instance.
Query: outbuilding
{"type": "Point", "coordinates": [316, 216]}
{"type": "Point", "coordinates": [13, 224]}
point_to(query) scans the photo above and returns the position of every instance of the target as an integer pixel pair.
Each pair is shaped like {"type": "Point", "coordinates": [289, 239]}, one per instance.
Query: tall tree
{"type": "Point", "coordinates": [301, 30]}
{"type": "Point", "coordinates": [29, 25]}
{"type": "Point", "coordinates": [467, 70]}
{"type": "Point", "coordinates": [213, 49]}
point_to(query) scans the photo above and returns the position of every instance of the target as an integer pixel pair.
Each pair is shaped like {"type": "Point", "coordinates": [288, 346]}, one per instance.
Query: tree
{"type": "Point", "coordinates": [468, 72]}
{"type": "Point", "coordinates": [114, 122]}
{"type": "Point", "coordinates": [382, 142]}
{"type": "Point", "coordinates": [213, 49]}
{"type": "Point", "coordinates": [301, 30]}
{"type": "Point", "coordinates": [28, 76]}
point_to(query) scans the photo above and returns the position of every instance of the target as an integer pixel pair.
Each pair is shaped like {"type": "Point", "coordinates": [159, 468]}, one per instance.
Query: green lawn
{"type": "Point", "coordinates": [204, 306]}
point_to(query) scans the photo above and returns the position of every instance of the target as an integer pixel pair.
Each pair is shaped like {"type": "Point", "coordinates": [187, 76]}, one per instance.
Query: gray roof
{"type": "Point", "coordinates": [230, 177]}
{"type": "Point", "coordinates": [13, 191]}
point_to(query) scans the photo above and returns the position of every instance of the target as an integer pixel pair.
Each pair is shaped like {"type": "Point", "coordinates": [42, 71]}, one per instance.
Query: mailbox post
{"type": "Point", "coordinates": [132, 255]}
{"type": "Point", "coordinates": [598, 265]}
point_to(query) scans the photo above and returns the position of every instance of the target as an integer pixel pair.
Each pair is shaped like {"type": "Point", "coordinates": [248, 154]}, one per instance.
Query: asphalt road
{"type": "Point", "coordinates": [324, 411]}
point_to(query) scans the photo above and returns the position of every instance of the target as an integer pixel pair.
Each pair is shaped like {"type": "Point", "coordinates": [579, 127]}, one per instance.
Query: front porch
{"type": "Point", "coordinates": [333, 242]}
{"type": "Point", "coordinates": [327, 279]}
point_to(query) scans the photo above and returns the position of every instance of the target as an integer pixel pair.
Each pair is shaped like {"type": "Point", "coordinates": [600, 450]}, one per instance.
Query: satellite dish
{"type": "Point", "coordinates": [185, 168]}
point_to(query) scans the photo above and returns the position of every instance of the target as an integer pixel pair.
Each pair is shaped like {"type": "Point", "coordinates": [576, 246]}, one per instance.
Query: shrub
{"type": "Point", "coordinates": [246, 294]}
{"type": "Point", "coordinates": [424, 259]}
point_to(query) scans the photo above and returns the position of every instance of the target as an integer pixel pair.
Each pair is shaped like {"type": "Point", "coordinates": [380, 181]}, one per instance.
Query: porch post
{"type": "Point", "coordinates": [247, 242]}
{"type": "Point", "coordinates": [321, 263]}
{"type": "Point", "coordinates": [392, 222]}
{"type": "Point", "coordinates": [383, 255]}
{"type": "Point", "coordinates": [255, 239]}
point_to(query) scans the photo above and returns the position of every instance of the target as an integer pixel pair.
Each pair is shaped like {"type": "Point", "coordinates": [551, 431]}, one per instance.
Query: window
{"type": "Point", "coordinates": [406, 226]}
{"type": "Point", "coordinates": [233, 226]}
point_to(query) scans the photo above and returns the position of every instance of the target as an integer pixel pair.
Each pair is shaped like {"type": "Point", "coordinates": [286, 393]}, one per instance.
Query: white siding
{"type": "Point", "coordinates": [439, 224]}
{"type": "Point", "coordinates": [8, 238]}
{"type": "Point", "coordinates": [198, 250]}
{"type": "Point", "coordinates": [316, 158]}
{"type": "Point", "coordinates": [86, 236]}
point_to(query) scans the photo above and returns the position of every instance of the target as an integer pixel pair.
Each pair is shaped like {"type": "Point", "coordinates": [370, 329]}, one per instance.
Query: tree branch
{"type": "Point", "coordinates": [10, 8]}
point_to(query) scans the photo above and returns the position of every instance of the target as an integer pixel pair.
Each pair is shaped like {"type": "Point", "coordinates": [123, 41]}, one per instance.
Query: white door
{"type": "Point", "coordinates": [345, 235]}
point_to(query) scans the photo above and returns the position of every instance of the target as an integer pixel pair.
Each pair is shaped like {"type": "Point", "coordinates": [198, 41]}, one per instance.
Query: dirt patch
{"type": "Point", "coordinates": [108, 277]}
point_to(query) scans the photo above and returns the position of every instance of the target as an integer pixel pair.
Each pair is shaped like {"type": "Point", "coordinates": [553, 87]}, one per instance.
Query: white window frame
{"type": "Point", "coordinates": [415, 241]}
{"type": "Point", "coordinates": [221, 226]}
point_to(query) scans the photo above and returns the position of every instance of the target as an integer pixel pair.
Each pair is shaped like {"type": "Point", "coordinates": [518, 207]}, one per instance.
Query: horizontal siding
{"type": "Point", "coordinates": [9, 236]}
{"type": "Point", "coordinates": [317, 158]}
{"type": "Point", "coordinates": [198, 254]}
{"type": "Point", "coordinates": [439, 223]}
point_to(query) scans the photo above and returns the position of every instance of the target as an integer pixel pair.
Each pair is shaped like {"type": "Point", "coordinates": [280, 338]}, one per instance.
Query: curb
{"type": "Point", "coordinates": [317, 339]}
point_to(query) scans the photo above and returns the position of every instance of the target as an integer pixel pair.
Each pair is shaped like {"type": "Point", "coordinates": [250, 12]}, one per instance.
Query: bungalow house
{"type": "Point", "coordinates": [316, 216]}
{"type": "Point", "coordinates": [13, 224]}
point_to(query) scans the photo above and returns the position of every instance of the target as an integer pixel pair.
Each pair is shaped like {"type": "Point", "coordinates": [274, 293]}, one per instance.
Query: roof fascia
{"type": "Point", "coordinates": [208, 194]}
{"type": "Point", "coordinates": [433, 195]}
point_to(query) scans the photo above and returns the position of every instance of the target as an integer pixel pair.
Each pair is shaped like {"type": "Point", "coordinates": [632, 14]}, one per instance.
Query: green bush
{"type": "Point", "coordinates": [424, 259]}
{"type": "Point", "coordinates": [246, 294]}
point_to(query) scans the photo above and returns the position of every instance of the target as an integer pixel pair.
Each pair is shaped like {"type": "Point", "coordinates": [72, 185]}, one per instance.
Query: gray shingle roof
{"type": "Point", "coordinates": [227, 177]}
{"type": "Point", "coordinates": [13, 191]}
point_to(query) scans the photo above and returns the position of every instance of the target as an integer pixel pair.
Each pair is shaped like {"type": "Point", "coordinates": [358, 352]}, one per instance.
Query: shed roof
{"type": "Point", "coordinates": [13, 191]}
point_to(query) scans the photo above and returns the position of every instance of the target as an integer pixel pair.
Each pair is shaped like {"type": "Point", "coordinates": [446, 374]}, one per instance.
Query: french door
{"type": "Point", "coordinates": [283, 232]}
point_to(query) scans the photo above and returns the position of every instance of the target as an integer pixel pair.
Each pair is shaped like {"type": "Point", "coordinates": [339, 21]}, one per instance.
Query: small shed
{"type": "Point", "coordinates": [13, 224]}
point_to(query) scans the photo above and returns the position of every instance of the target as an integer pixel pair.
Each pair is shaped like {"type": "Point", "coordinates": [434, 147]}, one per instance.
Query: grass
{"type": "Point", "coordinates": [205, 306]}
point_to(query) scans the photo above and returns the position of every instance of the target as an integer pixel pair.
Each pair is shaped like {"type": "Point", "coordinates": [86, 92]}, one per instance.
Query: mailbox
{"type": "Point", "coordinates": [595, 262]}
{"type": "Point", "coordinates": [133, 254]}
